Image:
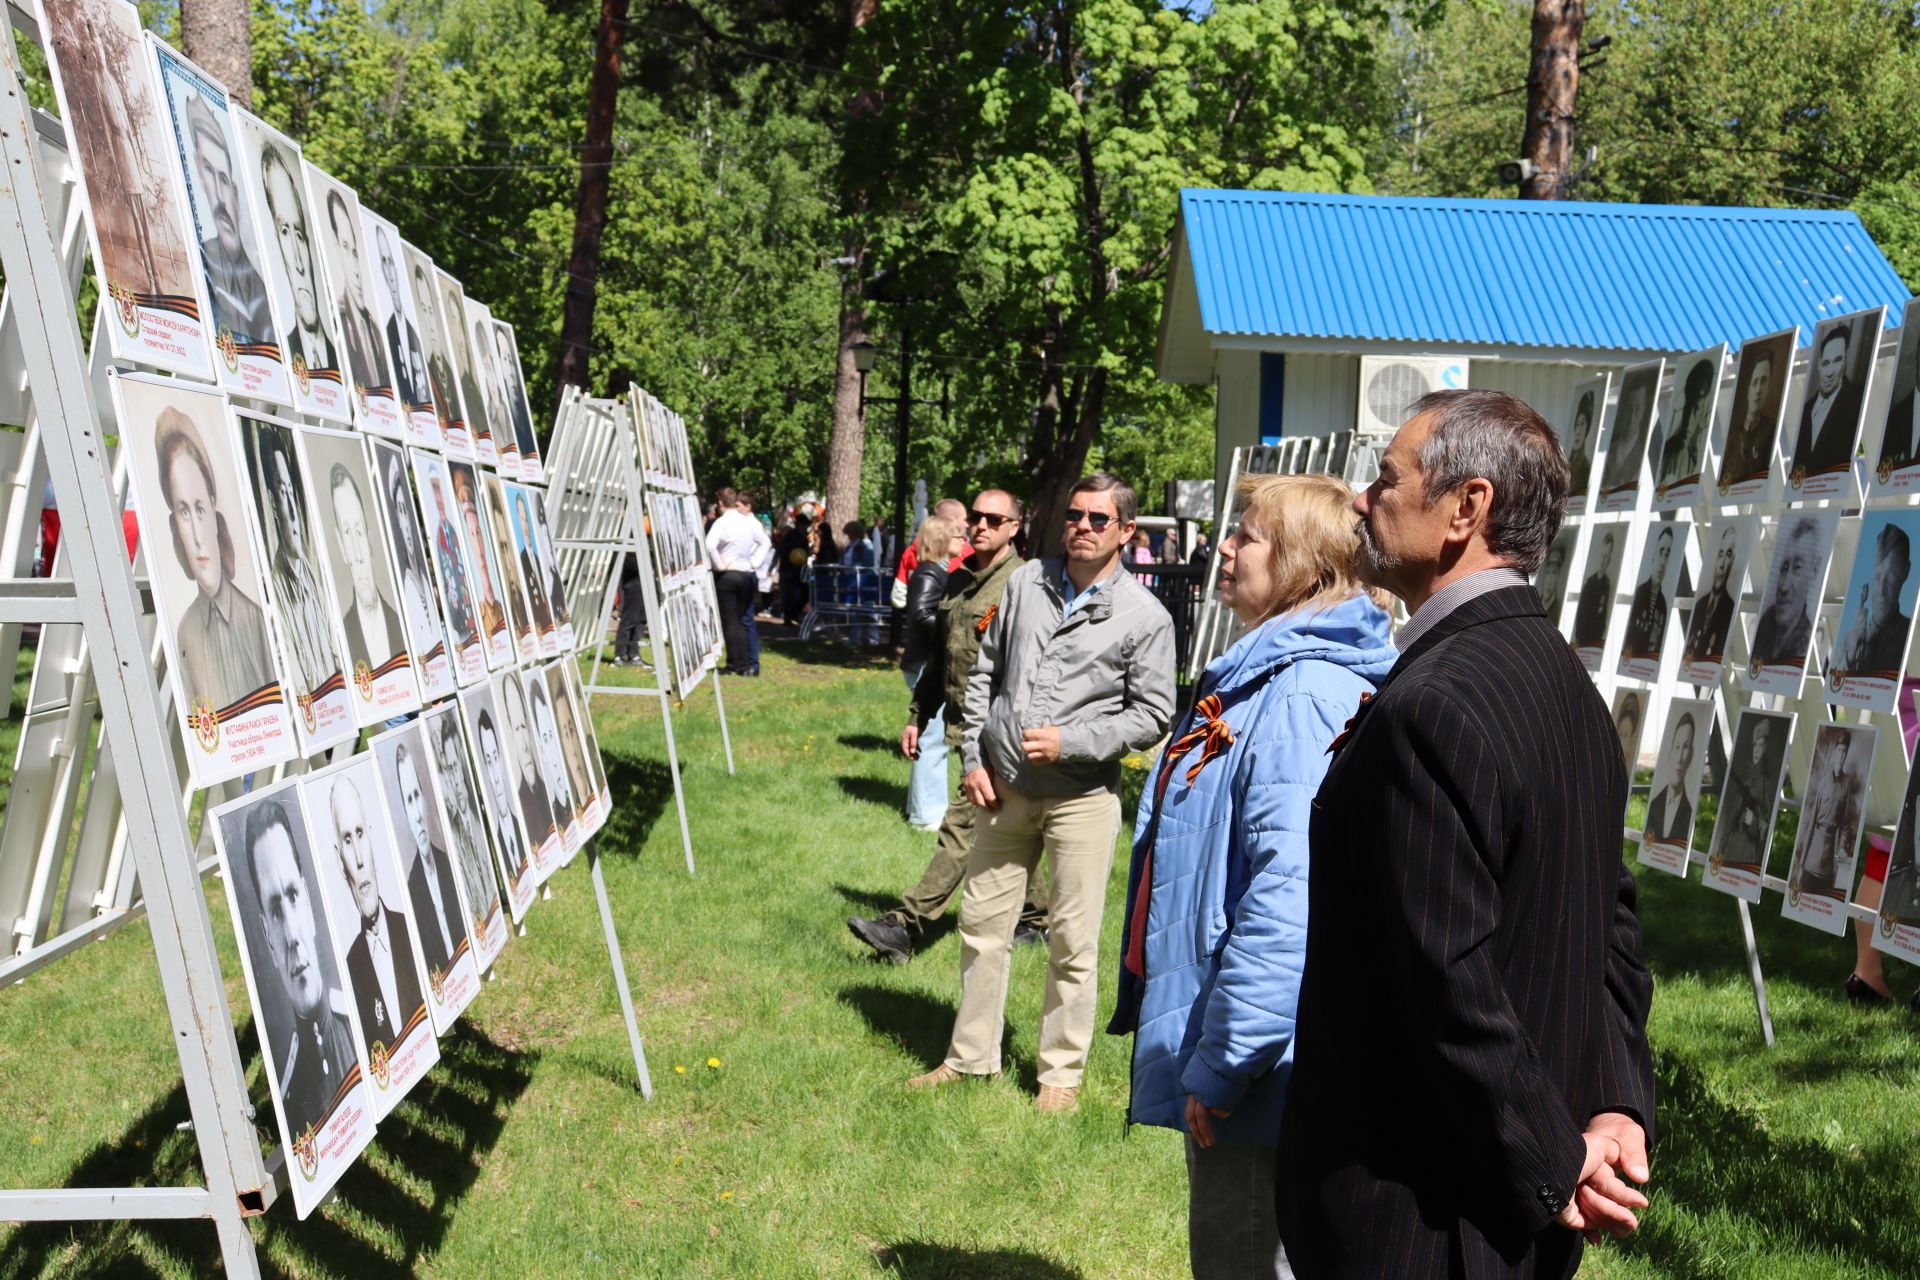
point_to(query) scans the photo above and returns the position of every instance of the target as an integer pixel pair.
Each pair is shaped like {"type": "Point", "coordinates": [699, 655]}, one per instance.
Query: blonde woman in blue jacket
{"type": "Point", "coordinates": [1216, 920]}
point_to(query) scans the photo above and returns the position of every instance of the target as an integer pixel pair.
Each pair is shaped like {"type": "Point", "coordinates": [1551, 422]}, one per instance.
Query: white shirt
{"type": "Point", "coordinates": [737, 542]}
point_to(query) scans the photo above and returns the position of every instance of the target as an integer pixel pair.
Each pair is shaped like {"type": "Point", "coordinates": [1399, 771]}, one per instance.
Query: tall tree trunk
{"type": "Point", "coordinates": [218, 34]}
{"type": "Point", "coordinates": [1067, 463]}
{"type": "Point", "coordinates": [1553, 82]}
{"type": "Point", "coordinates": [590, 205]}
{"type": "Point", "coordinates": [847, 446]}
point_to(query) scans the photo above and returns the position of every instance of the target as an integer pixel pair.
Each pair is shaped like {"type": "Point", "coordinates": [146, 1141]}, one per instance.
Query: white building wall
{"type": "Point", "coordinates": [1321, 394]}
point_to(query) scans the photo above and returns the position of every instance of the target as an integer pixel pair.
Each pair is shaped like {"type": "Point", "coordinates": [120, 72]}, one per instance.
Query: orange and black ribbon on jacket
{"type": "Point", "coordinates": [1210, 733]}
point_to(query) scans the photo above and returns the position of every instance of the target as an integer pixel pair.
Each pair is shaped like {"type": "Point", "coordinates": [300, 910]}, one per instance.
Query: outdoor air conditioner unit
{"type": "Point", "coordinates": [1388, 384]}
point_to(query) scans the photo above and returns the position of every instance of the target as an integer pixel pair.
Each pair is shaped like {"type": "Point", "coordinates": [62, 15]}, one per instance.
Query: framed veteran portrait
{"type": "Point", "coordinates": [1633, 421]}
{"type": "Point", "coordinates": [1760, 382]}
{"type": "Point", "coordinates": [353, 857]}
{"type": "Point", "coordinates": [136, 211]}
{"type": "Point", "coordinates": [1833, 811]}
{"type": "Point", "coordinates": [1790, 602]}
{"type": "Point", "coordinates": [1677, 453]}
{"type": "Point", "coordinates": [513, 851]}
{"type": "Point", "coordinates": [1869, 659]}
{"type": "Point", "coordinates": [309, 1040]}
{"type": "Point", "coordinates": [1832, 404]}
{"type": "Point", "coordinates": [1749, 803]}
{"type": "Point", "coordinates": [1726, 547]}
{"type": "Point", "coordinates": [191, 496]}
{"type": "Point", "coordinates": [343, 249]}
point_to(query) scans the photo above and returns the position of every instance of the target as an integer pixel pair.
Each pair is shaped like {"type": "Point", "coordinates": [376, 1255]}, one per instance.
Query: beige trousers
{"type": "Point", "coordinates": [1076, 833]}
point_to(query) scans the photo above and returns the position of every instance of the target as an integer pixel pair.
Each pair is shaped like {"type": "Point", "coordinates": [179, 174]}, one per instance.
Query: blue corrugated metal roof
{"type": "Point", "coordinates": [1524, 272]}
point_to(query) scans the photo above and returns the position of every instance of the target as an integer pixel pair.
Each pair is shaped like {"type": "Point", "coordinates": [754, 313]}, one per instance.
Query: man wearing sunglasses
{"type": "Point", "coordinates": [971, 598]}
{"type": "Point", "coordinates": [1075, 670]}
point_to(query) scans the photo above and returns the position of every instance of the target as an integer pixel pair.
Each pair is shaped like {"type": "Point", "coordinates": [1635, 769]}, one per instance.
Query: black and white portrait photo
{"type": "Point", "coordinates": [1554, 572]}
{"type": "Point", "coordinates": [117, 134]}
{"type": "Point", "coordinates": [349, 270]}
{"type": "Point", "coordinates": [472, 406]}
{"type": "Point", "coordinates": [1726, 545]}
{"type": "Point", "coordinates": [442, 384]}
{"type": "Point", "coordinates": [1803, 543]}
{"type": "Point", "coordinates": [416, 814]}
{"type": "Point", "coordinates": [1677, 454]}
{"type": "Point", "coordinates": [191, 496]}
{"type": "Point", "coordinates": [466, 832]}
{"type": "Point", "coordinates": [1646, 632]}
{"type": "Point", "coordinates": [312, 665]}
{"type": "Point", "coordinates": [1833, 809]}
{"type": "Point", "coordinates": [353, 847]}
{"type": "Point", "coordinates": [532, 567]}
{"type": "Point", "coordinates": [1876, 622]}
{"type": "Point", "coordinates": [492, 386]}
{"type": "Point", "coordinates": [537, 808]}
{"type": "Point", "coordinates": [365, 593]}
{"type": "Point", "coordinates": [1627, 446]}
{"type": "Point", "coordinates": [515, 389]}
{"type": "Point", "coordinates": [1606, 548]}
{"type": "Point", "coordinates": [1749, 801]}
{"type": "Point", "coordinates": [590, 737]}
{"type": "Point", "coordinates": [1582, 439]}
{"type": "Point", "coordinates": [566, 727]}
{"type": "Point", "coordinates": [1759, 399]}
{"type": "Point", "coordinates": [302, 306]}
{"type": "Point", "coordinates": [546, 742]}
{"type": "Point", "coordinates": [486, 738]}
{"type": "Point", "coordinates": [285, 938]}
{"type": "Point", "coordinates": [419, 596]}
{"type": "Point", "coordinates": [1897, 468]}
{"type": "Point", "coordinates": [1675, 797]}
{"type": "Point", "coordinates": [400, 330]}
{"type": "Point", "coordinates": [1832, 403]}
{"type": "Point", "coordinates": [246, 340]}
{"type": "Point", "coordinates": [1629, 721]}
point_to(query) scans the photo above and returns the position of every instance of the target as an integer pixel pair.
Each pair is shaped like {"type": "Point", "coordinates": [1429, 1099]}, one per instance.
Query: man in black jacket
{"type": "Point", "coordinates": [380, 960]}
{"type": "Point", "coordinates": [1830, 419]}
{"type": "Point", "coordinates": [1472, 1074]}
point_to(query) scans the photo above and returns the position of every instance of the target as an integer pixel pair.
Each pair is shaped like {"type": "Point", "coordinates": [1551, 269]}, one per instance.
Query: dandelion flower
{"type": "Point", "coordinates": [714, 1063]}
{"type": "Point", "coordinates": [679, 1070]}
{"type": "Point", "coordinates": [726, 1195]}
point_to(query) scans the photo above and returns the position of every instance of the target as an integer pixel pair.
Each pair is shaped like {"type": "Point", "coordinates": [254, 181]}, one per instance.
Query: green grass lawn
{"type": "Point", "coordinates": [528, 1151]}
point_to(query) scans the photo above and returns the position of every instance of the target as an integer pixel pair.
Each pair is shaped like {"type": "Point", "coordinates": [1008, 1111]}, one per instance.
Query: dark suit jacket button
{"type": "Point", "coordinates": [1550, 1200]}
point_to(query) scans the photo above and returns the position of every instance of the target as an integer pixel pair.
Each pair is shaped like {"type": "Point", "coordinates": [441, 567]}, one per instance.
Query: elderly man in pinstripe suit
{"type": "Point", "coordinates": [1472, 1083]}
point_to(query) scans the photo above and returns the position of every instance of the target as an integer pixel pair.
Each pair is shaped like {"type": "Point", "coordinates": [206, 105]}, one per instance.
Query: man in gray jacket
{"type": "Point", "coordinates": [1075, 670]}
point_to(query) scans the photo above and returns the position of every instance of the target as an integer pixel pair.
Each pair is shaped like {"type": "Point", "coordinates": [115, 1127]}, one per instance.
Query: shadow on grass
{"type": "Point", "coordinates": [924, 1260]}
{"type": "Point", "coordinates": [923, 1026]}
{"type": "Point", "coordinates": [470, 1093]}
{"type": "Point", "coordinates": [1718, 1160]}
{"type": "Point", "coordinates": [891, 795]}
{"type": "Point", "coordinates": [642, 790]}
{"type": "Point", "coordinates": [870, 742]}
{"type": "Point", "coordinates": [871, 903]}
{"type": "Point", "coordinates": [822, 653]}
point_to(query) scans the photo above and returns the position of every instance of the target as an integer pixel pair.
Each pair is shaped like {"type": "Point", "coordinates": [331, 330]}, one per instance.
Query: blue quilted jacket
{"type": "Point", "coordinates": [1227, 910]}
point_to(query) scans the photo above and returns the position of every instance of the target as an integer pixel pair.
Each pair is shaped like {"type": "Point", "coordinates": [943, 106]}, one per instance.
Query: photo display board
{"type": "Point", "coordinates": [320, 429]}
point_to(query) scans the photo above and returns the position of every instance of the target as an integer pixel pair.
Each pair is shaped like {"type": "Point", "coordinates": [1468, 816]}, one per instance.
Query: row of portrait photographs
{"type": "Point", "coordinates": [693, 624]}
{"type": "Point", "coordinates": [1870, 654]}
{"type": "Point", "coordinates": [296, 608]}
{"type": "Point", "coordinates": [366, 911]}
{"type": "Point", "coordinates": [1819, 444]}
{"type": "Point", "coordinates": [204, 221]}
{"type": "Point", "coordinates": [666, 461]}
{"type": "Point", "coordinates": [1833, 805]}
{"type": "Point", "coordinates": [679, 544]}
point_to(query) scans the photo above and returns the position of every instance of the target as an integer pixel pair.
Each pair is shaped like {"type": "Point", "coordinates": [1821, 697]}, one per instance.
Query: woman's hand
{"type": "Point", "coordinates": [1200, 1118]}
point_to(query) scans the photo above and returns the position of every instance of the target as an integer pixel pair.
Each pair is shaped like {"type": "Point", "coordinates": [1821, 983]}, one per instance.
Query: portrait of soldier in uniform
{"type": "Point", "coordinates": [1712, 617]}
{"type": "Point", "coordinates": [278, 900]}
{"type": "Point", "coordinates": [280, 493]}
{"type": "Point", "coordinates": [1743, 830]}
{"type": "Point", "coordinates": [1874, 635]}
{"type": "Point", "coordinates": [1832, 812]}
{"type": "Point", "coordinates": [236, 291]}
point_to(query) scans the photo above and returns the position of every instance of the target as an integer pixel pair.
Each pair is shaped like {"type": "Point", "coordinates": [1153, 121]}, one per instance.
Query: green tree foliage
{"type": "Point", "coordinates": [1039, 148]}
{"type": "Point", "coordinates": [1729, 102]}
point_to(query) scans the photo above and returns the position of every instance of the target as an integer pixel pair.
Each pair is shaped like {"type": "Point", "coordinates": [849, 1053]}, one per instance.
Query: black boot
{"type": "Point", "coordinates": [1026, 935]}
{"type": "Point", "coordinates": [887, 936]}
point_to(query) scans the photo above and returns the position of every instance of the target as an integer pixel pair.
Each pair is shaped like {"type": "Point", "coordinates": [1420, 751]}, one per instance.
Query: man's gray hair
{"type": "Point", "coordinates": [1492, 436]}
